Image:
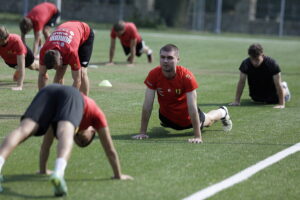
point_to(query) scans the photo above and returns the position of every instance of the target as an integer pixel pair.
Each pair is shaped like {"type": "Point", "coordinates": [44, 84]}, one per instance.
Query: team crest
{"type": "Point", "coordinates": [178, 91]}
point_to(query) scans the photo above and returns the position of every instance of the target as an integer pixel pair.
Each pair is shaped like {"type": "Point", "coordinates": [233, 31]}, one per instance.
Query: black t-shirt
{"type": "Point", "coordinates": [260, 79]}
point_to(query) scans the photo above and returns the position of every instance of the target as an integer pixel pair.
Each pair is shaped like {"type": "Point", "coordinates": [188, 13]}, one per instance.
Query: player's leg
{"type": "Point", "coordinates": [146, 49]}
{"type": "Point", "coordinates": [65, 133]}
{"type": "Point", "coordinates": [27, 128]}
{"type": "Point", "coordinates": [220, 114]}
{"type": "Point", "coordinates": [30, 62]}
{"type": "Point", "coordinates": [46, 31]}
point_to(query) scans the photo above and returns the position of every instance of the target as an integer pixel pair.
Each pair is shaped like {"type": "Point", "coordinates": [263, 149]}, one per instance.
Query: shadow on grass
{"type": "Point", "coordinates": [244, 103]}
{"type": "Point", "coordinates": [104, 63]}
{"type": "Point", "coordinates": [19, 178]}
{"type": "Point", "coordinates": [5, 116]}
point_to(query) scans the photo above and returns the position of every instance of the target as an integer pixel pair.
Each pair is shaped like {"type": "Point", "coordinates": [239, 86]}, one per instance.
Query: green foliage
{"type": "Point", "coordinates": [166, 166]}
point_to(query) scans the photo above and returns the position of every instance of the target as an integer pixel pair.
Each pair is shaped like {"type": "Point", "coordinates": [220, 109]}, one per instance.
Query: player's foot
{"type": "Point", "coordinates": [1, 180]}
{"type": "Point", "coordinates": [288, 95]}
{"type": "Point", "coordinates": [59, 185]}
{"type": "Point", "coordinates": [16, 76]}
{"type": "Point", "coordinates": [226, 121]}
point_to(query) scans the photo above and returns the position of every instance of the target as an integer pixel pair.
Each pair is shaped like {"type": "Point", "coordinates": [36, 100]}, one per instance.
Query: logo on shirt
{"type": "Point", "coordinates": [188, 76]}
{"type": "Point", "coordinates": [178, 91]}
{"type": "Point", "coordinates": [160, 92]}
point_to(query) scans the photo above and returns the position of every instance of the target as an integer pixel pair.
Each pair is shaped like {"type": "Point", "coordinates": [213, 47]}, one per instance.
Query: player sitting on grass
{"type": "Point", "coordinates": [177, 97]}
{"type": "Point", "coordinates": [16, 55]}
{"type": "Point", "coordinates": [64, 111]}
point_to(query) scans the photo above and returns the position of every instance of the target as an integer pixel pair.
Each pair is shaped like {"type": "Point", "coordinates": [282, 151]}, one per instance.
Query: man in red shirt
{"type": "Point", "coordinates": [131, 41]}
{"type": "Point", "coordinates": [41, 18]}
{"type": "Point", "coordinates": [70, 44]}
{"type": "Point", "coordinates": [65, 113]}
{"type": "Point", "coordinates": [16, 55]}
{"type": "Point", "coordinates": [177, 97]}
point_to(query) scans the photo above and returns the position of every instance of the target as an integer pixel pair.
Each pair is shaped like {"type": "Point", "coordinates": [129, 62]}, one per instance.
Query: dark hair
{"type": "Point", "coordinates": [25, 25]}
{"type": "Point", "coordinates": [51, 58]}
{"type": "Point", "coordinates": [83, 141]}
{"type": "Point", "coordinates": [3, 33]}
{"type": "Point", "coordinates": [119, 26]}
{"type": "Point", "coordinates": [255, 50]}
{"type": "Point", "coordinates": [170, 47]}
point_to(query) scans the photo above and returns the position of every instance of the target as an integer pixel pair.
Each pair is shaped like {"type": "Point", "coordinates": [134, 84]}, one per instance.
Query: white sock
{"type": "Point", "coordinates": [60, 166]}
{"type": "Point", "coordinates": [2, 161]}
{"type": "Point", "coordinates": [223, 112]}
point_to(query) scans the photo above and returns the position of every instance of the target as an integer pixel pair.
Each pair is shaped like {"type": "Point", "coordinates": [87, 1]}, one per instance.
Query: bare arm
{"type": "Point", "coordinates": [21, 71]}
{"type": "Point", "coordinates": [133, 43]}
{"type": "Point", "coordinates": [59, 74]}
{"type": "Point", "coordinates": [45, 150]}
{"type": "Point", "coordinates": [193, 112]}
{"type": "Point", "coordinates": [146, 113]}
{"type": "Point", "coordinates": [111, 153]}
{"type": "Point", "coordinates": [279, 89]}
{"type": "Point", "coordinates": [42, 81]}
{"type": "Point", "coordinates": [37, 38]}
{"type": "Point", "coordinates": [239, 89]}
{"type": "Point", "coordinates": [112, 49]}
{"type": "Point", "coordinates": [76, 78]}
{"type": "Point", "coordinates": [23, 37]}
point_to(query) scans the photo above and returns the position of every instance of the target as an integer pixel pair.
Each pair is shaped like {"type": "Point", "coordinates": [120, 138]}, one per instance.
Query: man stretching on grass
{"type": "Point", "coordinates": [17, 56]}
{"type": "Point", "coordinates": [264, 79]}
{"type": "Point", "coordinates": [177, 97]}
{"type": "Point", "coordinates": [66, 113]}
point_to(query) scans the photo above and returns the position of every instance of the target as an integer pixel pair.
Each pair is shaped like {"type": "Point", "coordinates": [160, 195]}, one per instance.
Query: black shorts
{"type": "Point", "coordinates": [55, 103]}
{"type": "Point", "coordinates": [86, 49]}
{"type": "Point", "coordinates": [29, 59]}
{"type": "Point", "coordinates": [52, 21]}
{"type": "Point", "coordinates": [167, 123]}
{"type": "Point", "coordinates": [267, 100]}
{"type": "Point", "coordinates": [138, 49]}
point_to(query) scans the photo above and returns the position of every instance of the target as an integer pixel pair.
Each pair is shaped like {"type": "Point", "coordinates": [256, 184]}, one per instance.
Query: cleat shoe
{"type": "Point", "coordinates": [59, 184]}
{"type": "Point", "coordinates": [288, 95]}
{"type": "Point", "coordinates": [226, 121]}
{"type": "Point", "coordinates": [16, 76]}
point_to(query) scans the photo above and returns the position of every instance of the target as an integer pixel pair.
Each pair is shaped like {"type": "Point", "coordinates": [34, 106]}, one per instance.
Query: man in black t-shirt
{"type": "Point", "coordinates": [264, 79]}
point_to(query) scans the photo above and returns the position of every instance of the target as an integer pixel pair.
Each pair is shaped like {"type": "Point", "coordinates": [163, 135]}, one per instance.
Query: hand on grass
{"type": "Point", "coordinates": [234, 104]}
{"type": "Point", "coordinates": [279, 106]}
{"type": "Point", "coordinates": [47, 172]}
{"type": "Point", "coordinates": [140, 136]}
{"type": "Point", "coordinates": [110, 64]}
{"type": "Point", "coordinates": [195, 140]}
{"type": "Point", "coordinates": [124, 177]}
{"type": "Point", "coordinates": [16, 88]}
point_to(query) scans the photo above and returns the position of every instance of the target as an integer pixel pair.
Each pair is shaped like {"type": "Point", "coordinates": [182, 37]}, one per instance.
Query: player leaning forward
{"type": "Point", "coordinates": [64, 112]}
{"type": "Point", "coordinates": [177, 97]}
{"type": "Point", "coordinates": [70, 44]}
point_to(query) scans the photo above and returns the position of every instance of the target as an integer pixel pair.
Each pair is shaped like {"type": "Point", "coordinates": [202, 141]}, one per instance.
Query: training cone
{"type": "Point", "coordinates": [105, 83]}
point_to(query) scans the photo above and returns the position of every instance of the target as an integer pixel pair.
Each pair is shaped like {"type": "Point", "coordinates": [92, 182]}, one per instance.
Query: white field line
{"type": "Point", "coordinates": [217, 38]}
{"type": "Point", "coordinates": [243, 175]}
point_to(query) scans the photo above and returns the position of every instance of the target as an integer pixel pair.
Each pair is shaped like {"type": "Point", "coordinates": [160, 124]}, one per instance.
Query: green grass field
{"type": "Point", "coordinates": [166, 166]}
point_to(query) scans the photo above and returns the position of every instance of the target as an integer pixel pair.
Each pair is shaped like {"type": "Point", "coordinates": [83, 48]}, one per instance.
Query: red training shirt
{"type": "Point", "coordinates": [12, 49]}
{"type": "Point", "coordinates": [129, 34]}
{"type": "Point", "coordinates": [67, 38]}
{"type": "Point", "coordinates": [92, 115]}
{"type": "Point", "coordinates": [171, 93]}
{"type": "Point", "coordinates": [41, 14]}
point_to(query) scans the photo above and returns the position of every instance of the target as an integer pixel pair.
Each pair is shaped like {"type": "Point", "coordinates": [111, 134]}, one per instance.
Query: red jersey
{"type": "Point", "coordinates": [41, 14]}
{"type": "Point", "coordinates": [92, 115]}
{"type": "Point", "coordinates": [129, 34]}
{"type": "Point", "coordinates": [67, 38]}
{"type": "Point", "coordinates": [171, 93]}
{"type": "Point", "coordinates": [12, 49]}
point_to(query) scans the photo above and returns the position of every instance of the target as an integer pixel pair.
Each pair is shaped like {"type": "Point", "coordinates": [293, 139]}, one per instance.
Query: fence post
{"type": "Point", "coordinates": [281, 22]}
{"type": "Point", "coordinates": [218, 16]}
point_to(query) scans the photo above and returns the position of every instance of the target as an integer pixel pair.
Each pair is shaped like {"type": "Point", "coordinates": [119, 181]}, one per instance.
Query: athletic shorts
{"type": "Point", "coordinates": [55, 103]}
{"type": "Point", "coordinates": [267, 100]}
{"type": "Point", "coordinates": [167, 123]}
{"type": "Point", "coordinates": [29, 59]}
{"type": "Point", "coordinates": [86, 49]}
{"type": "Point", "coordinates": [138, 49]}
{"type": "Point", "coordinates": [52, 21]}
